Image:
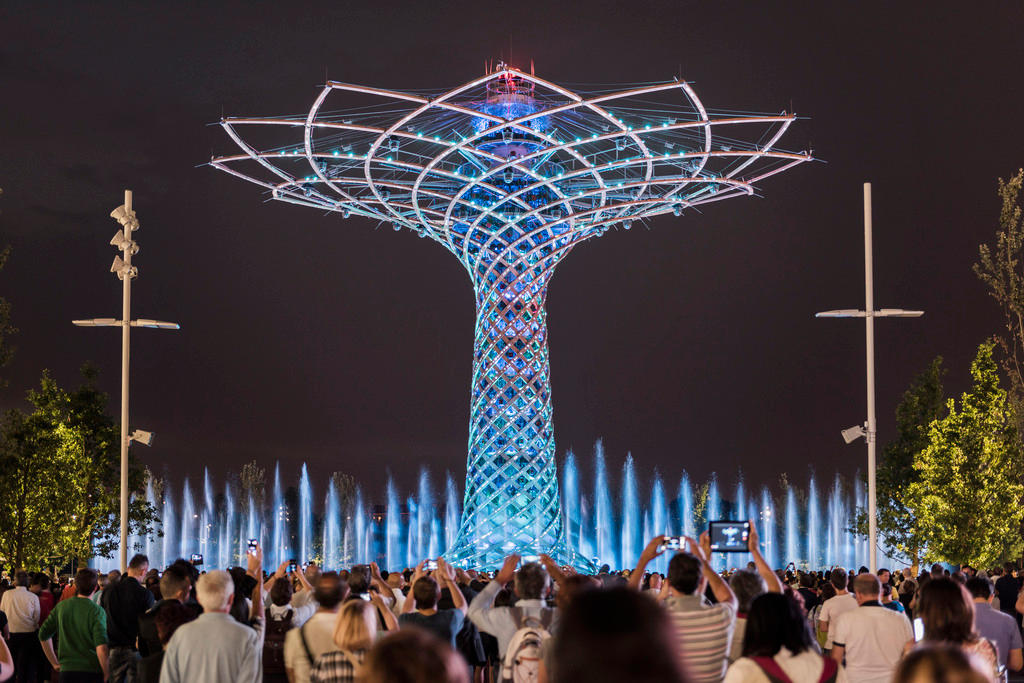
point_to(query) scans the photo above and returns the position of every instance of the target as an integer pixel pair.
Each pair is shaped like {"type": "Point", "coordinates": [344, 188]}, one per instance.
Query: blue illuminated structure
{"type": "Point", "coordinates": [510, 172]}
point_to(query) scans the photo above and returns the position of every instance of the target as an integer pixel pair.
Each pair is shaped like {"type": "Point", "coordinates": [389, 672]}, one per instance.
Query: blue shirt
{"type": "Point", "coordinates": [998, 627]}
{"type": "Point", "coordinates": [445, 623]}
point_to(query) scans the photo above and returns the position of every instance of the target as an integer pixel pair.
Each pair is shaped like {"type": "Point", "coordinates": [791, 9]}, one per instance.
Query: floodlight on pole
{"type": "Point", "coordinates": [853, 433]}
{"type": "Point", "coordinates": [126, 272]}
{"type": "Point", "coordinates": [868, 431]}
{"type": "Point", "coordinates": [143, 437]}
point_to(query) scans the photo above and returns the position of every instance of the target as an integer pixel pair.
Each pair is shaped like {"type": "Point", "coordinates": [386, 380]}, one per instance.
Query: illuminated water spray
{"type": "Point", "coordinates": [509, 172]}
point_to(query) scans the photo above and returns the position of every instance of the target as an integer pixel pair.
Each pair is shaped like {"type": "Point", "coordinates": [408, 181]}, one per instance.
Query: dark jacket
{"type": "Point", "coordinates": [124, 602]}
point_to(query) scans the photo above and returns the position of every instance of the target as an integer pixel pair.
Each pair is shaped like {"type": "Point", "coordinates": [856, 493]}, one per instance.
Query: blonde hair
{"type": "Point", "coordinates": [356, 627]}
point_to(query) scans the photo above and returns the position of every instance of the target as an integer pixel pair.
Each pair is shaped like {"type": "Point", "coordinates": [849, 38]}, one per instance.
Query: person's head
{"type": "Point", "coordinates": [940, 663]}
{"type": "Point", "coordinates": [884, 575]}
{"type": "Point", "coordinates": [572, 586]}
{"type": "Point", "coordinates": [797, 597]}
{"type": "Point", "coordinates": [968, 570]}
{"type": "Point", "coordinates": [616, 635]}
{"type": "Point", "coordinates": [175, 584]}
{"type": "Point", "coordinates": [937, 571]}
{"type": "Point", "coordinates": [215, 591]}
{"type": "Point", "coordinates": [980, 589]}
{"type": "Point", "coordinates": [281, 592]}
{"type": "Point", "coordinates": [886, 593]}
{"type": "Point", "coordinates": [113, 576]}
{"type": "Point", "coordinates": [426, 592]}
{"type": "Point", "coordinates": [807, 580]}
{"type": "Point", "coordinates": [908, 587]}
{"type": "Point", "coordinates": [188, 569]}
{"type": "Point", "coordinates": [654, 581]}
{"type": "Point", "coordinates": [21, 578]}
{"type": "Point", "coordinates": [152, 583]}
{"type": "Point", "coordinates": [1009, 568]}
{"type": "Point", "coordinates": [359, 579]}
{"type": "Point", "coordinates": [685, 573]}
{"type": "Point", "coordinates": [330, 591]}
{"type": "Point", "coordinates": [746, 585]}
{"type": "Point", "coordinates": [169, 618]}
{"type": "Point", "coordinates": [40, 582]}
{"type": "Point", "coordinates": [827, 592]}
{"type": "Point", "coordinates": [395, 581]}
{"type": "Point", "coordinates": [86, 581]}
{"type": "Point", "coordinates": [531, 582]}
{"type": "Point", "coordinates": [773, 622]}
{"type": "Point", "coordinates": [414, 656]}
{"type": "Point", "coordinates": [138, 566]}
{"type": "Point", "coordinates": [866, 587]}
{"type": "Point", "coordinates": [356, 625]}
{"type": "Point", "coordinates": [947, 610]}
{"type": "Point", "coordinates": [839, 578]}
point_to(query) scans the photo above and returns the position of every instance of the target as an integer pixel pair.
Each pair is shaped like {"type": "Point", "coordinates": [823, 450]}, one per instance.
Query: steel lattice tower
{"type": "Point", "coordinates": [510, 172]}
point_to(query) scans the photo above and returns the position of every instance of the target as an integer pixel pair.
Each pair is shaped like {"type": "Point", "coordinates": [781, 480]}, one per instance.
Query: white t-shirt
{"type": "Point", "coordinates": [874, 638]}
{"type": "Point", "coordinates": [805, 667]}
{"type": "Point", "coordinates": [22, 609]}
{"type": "Point", "coordinates": [320, 638]}
{"type": "Point", "coordinates": [830, 611]}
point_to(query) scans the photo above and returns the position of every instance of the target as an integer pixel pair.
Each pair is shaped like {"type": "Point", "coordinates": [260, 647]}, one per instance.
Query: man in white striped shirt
{"type": "Point", "coordinates": [703, 631]}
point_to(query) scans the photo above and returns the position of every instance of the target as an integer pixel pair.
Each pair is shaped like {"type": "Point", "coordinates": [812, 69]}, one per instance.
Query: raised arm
{"type": "Point", "coordinates": [447, 573]}
{"type": "Point", "coordinates": [719, 588]}
{"type": "Point", "coordinates": [482, 608]}
{"type": "Point", "coordinates": [554, 571]}
{"type": "Point", "coordinates": [652, 550]}
{"type": "Point", "coordinates": [410, 600]}
{"type": "Point", "coordinates": [769, 576]}
{"type": "Point", "coordinates": [377, 580]}
{"type": "Point", "coordinates": [390, 622]}
{"type": "Point", "coordinates": [254, 560]}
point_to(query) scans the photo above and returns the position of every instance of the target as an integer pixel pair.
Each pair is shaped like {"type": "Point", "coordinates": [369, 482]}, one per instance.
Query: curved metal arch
{"type": "Point", "coordinates": [534, 222]}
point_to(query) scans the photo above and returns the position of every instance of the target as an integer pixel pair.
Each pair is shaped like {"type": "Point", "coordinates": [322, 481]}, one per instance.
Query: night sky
{"type": "Point", "coordinates": [349, 346]}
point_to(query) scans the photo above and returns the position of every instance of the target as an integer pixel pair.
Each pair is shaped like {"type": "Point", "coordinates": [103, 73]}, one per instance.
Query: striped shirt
{"type": "Point", "coordinates": [337, 667]}
{"type": "Point", "coordinates": [703, 635]}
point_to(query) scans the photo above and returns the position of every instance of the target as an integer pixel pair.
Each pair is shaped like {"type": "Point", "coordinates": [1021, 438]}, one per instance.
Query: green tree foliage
{"type": "Point", "coordinates": [1001, 268]}
{"type": "Point", "coordinates": [61, 466]}
{"type": "Point", "coordinates": [922, 404]}
{"type": "Point", "coordinates": [968, 495]}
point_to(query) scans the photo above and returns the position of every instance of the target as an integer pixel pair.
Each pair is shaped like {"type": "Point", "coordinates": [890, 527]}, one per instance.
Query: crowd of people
{"type": "Point", "coordinates": [527, 621]}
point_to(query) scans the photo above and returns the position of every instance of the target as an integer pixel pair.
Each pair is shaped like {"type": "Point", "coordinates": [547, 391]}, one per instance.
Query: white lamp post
{"type": "Point", "coordinates": [125, 272]}
{"type": "Point", "coordinates": [868, 430]}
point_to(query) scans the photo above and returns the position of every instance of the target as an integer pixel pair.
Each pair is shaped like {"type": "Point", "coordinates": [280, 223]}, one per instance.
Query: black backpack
{"type": "Point", "coordinates": [273, 642]}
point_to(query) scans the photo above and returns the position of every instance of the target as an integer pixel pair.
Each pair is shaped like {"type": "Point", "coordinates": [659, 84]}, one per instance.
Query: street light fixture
{"type": "Point", "coordinates": [126, 272]}
{"type": "Point", "coordinates": [143, 437]}
{"type": "Point", "coordinates": [853, 433]}
{"type": "Point", "coordinates": [868, 431]}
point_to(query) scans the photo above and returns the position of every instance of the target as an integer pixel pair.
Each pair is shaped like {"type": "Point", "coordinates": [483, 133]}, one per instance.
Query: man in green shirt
{"type": "Point", "coordinates": [81, 627]}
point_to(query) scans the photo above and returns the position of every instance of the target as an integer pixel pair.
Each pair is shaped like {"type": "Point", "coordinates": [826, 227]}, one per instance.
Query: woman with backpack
{"type": "Point", "coordinates": [778, 646]}
{"type": "Point", "coordinates": [354, 634]}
